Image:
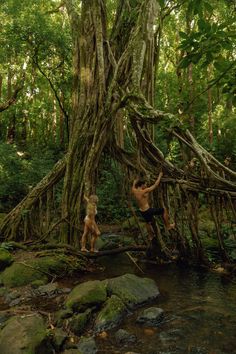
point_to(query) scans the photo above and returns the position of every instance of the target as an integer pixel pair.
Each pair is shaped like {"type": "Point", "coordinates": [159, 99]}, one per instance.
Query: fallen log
{"type": "Point", "coordinates": [138, 248]}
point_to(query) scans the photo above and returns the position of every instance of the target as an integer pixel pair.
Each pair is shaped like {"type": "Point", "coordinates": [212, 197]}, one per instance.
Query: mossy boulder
{"type": "Point", "coordinates": [5, 258]}
{"type": "Point", "coordinates": [43, 269]}
{"type": "Point", "coordinates": [61, 315]}
{"type": "Point", "coordinates": [86, 295]}
{"type": "Point", "coordinates": [111, 314]}
{"type": "Point", "coordinates": [79, 321]}
{"type": "Point", "coordinates": [20, 275]}
{"type": "Point", "coordinates": [23, 335]}
{"type": "Point", "coordinates": [59, 338]}
{"type": "Point", "coordinates": [132, 290]}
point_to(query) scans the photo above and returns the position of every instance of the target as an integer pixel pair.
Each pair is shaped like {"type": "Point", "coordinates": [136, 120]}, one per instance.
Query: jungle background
{"type": "Point", "coordinates": [194, 82]}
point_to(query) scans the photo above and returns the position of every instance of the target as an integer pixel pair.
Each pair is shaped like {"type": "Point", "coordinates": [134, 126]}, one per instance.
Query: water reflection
{"type": "Point", "coordinates": [199, 306]}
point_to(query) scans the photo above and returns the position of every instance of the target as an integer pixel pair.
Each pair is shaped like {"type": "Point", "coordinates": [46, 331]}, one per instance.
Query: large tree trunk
{"type": "Point", "coordinates": [106, 72]}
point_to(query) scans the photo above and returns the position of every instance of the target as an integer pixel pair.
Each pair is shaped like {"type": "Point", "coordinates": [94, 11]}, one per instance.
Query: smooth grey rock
{"type": "Point", "coordinates": [151, 316]}
{"type": "Point", "coordinates": [50, 289]}
{"type": "Point", "coordinates": [10, 296]}
{"type": "Point", "coordinates": [15, 302]}
{"type": "Point", "coordinates": [123, 337]}
{"type": "Point", "coordinates": [66, 290]}
{"type": "Point", "coordinates": [132, 290]}
{"type": "Point", "coordinates": [87, 345]}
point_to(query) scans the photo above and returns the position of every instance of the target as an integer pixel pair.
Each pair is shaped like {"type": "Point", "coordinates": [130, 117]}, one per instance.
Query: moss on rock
{"type": "Point", "coordinates": [19, 275]}
{"type": "Point", "coordinates": [78, 322]}
{"type": "Point", "coordinates": [5, 258]}
{"type": "Point", "coordinates": [39, 269]}
{"type": "Point", "coordinates": [132, 290]}
{"type": "Point", "coordinates": [22, 335]}
{"type": "Point", "coordinates": [86, 295]}
{"type": "Point", "coordinates": [111, 314]}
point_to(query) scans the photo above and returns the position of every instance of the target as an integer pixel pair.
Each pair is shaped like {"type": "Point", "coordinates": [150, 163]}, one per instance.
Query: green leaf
{"type": "Point", "coordinates": [202, 24]}
{"type": "Point", "coordinates": [220, 64]}
{"type": "Point", "coordinates": [183, 35]}
{"type": "Point", "coordinates": [208, 7]}
{"type": "Point", "coordinates": [234, 100]}
{"type": "Point", "coordinates": [198, 8]}
{"type": "Point", "coordinates": [162, 3]}
{"type": "Point", "coordinates": [184, 63]}
{"type": "Point", "coordinates": [226, 45]}
{"type": "Point", "coordinates": [196, 58]}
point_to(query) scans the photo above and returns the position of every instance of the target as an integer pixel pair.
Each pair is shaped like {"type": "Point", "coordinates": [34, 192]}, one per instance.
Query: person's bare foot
{"type": "Point", "coordinates": [171, 226]}
{"type": "Point", "coordinates": [83, 249]}
{"type": "Point", "coordinates": [94, 250]}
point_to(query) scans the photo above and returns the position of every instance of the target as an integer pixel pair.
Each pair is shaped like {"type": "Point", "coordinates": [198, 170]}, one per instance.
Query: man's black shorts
{"type": "Point", "coordinates": [149, 213]}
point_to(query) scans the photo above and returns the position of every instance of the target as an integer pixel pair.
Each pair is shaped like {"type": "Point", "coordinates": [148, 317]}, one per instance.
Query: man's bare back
{"type": "Point", "coordinates": [141, 192]}
{"type": "Point", "coordinates": [142, 198]}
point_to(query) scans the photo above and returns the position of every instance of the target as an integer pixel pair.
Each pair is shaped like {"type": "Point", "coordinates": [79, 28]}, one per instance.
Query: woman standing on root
{"type": "Point", "coordinates": [90, 225]}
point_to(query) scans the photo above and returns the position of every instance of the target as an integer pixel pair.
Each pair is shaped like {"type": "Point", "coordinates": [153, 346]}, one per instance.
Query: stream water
{"type": "Point", "coordinates": [199, 308]}
{"type": "Point", "coordinates": [200, 311]}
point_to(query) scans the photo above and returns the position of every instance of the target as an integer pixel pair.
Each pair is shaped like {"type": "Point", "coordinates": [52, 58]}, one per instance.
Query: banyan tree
{"type": "Point", "coordinates": [114, 74]}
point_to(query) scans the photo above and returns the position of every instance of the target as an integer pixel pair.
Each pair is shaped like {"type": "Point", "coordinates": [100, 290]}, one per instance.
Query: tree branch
{"type": "Point", "coordinates": [54, 91]}
{"type": "Point", "coordinates": [12, 100]}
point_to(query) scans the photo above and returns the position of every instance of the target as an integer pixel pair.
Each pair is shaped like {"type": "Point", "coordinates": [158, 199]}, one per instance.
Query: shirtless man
{"type": "Point", "coordinates": [141, 194]}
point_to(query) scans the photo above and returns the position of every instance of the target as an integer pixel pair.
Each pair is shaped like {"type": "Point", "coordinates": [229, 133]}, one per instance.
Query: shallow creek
{"type": "Point", "coordinates": [200, 311]}
{"type": "Point", "coordinates": [199, 308]}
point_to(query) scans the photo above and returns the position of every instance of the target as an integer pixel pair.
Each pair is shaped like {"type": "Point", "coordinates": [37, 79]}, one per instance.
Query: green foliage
{"type": "Point", "coordinates": [6, 246]}
{"type": "Point", "coordinates": [212, 41]}
{"type": "Point", "coordinates": [5, 258]}
{"type": "Point", "coordinates": [35, 36]}
{"type": "Point", "coordinates": [224, 129]}
{"type": "Point", "coordinates": [12, 169]}
{"type": "Point", "coordinates": [226, 144]}
{"type": "Point", "coordinates": [20, 171]}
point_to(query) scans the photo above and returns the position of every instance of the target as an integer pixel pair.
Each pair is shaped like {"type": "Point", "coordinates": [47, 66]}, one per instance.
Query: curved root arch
{"type": "Point", "coordinates": [200, 180]}
{"type": "Point", "coordinates": [182, 189]}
